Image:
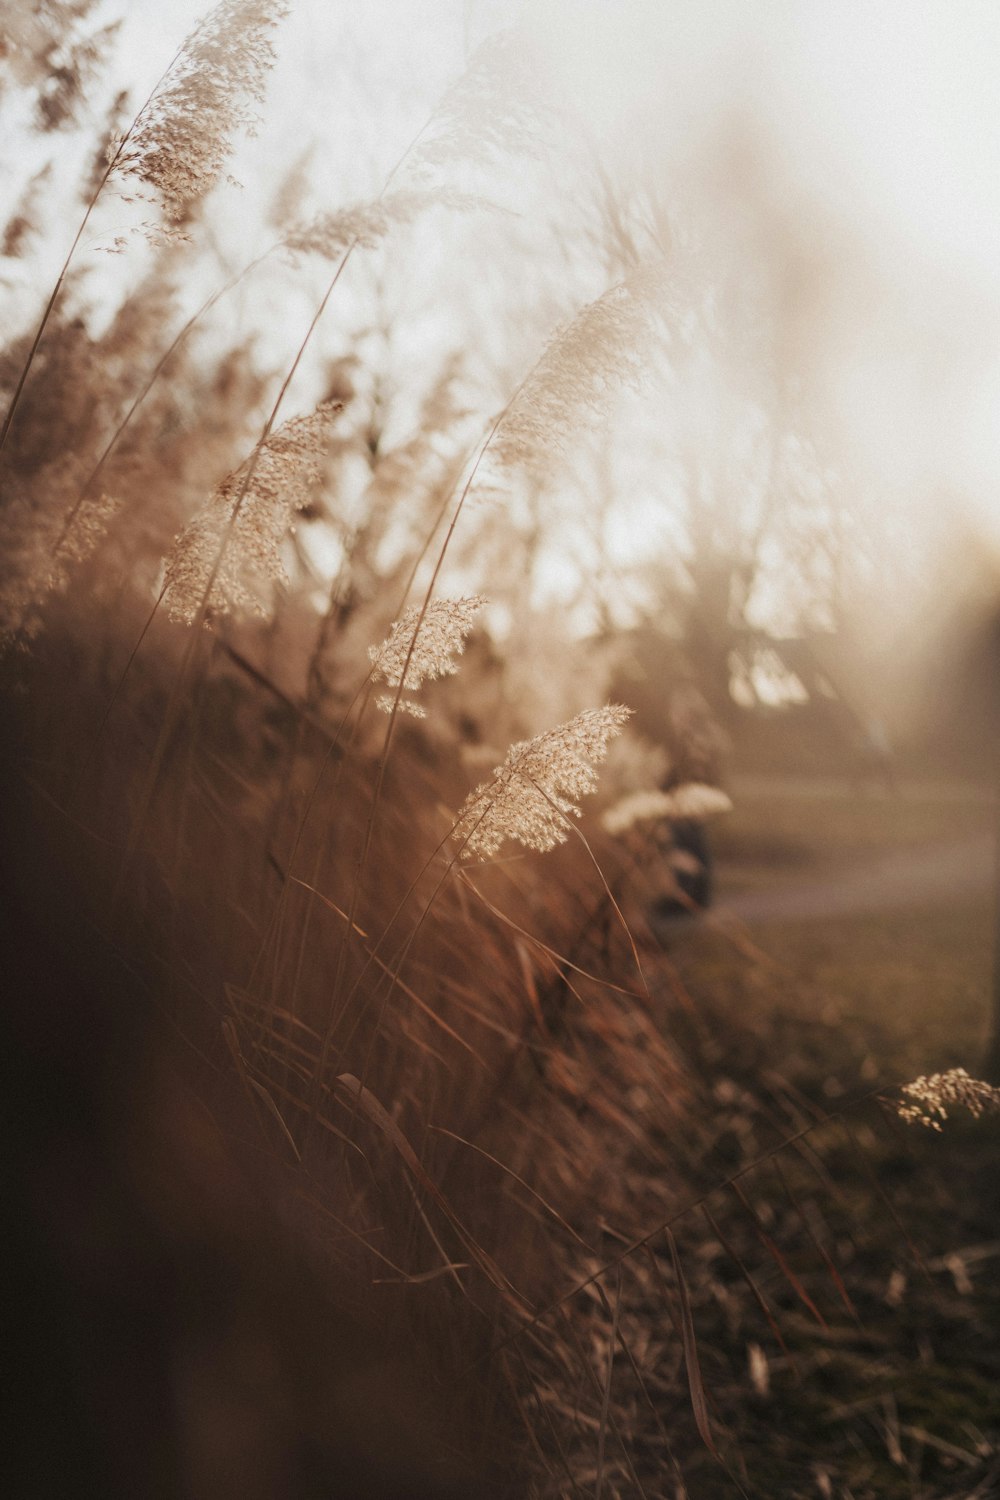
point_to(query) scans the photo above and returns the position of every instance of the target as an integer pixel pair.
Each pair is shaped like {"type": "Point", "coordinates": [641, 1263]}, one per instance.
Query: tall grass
{"type": "Point", "coordinates": [421, 1012]}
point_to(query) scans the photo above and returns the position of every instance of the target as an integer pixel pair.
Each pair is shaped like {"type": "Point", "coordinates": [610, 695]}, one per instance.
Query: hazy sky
{"type": "Point", "coordinates": [847, 152]}
{"type": "Point", "coordinates": [881, 121]}
{"type": "Point", "coordinates": [892, 105]}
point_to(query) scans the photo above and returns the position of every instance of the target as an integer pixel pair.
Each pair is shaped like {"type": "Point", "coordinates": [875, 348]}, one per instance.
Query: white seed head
{"type": "Point", "coordinates": [240, 539]}
{"type": "Point", "coordinates": [409, 706]}
{"type": "Point", "coordinates": [694, 799]}
{"type": "Point", "coordinates": [423, 649]}
{"type": "Point", "coordinates": [532, 795]}
{"type": "Point", "coordinates": [181, 139]}
{"type": "Point", "coordinates": [928, 1099]}
{"type": "Point", "coordinates": [365, 224]}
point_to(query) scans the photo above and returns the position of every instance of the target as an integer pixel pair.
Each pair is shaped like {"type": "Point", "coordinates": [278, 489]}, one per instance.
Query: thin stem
{"type": "Point", "coordinates": [372, 958]}
{"type": "Point", "coordinates": [300, 826]}
{"type": "Point", "coordinates": [607, 889]}
{"type": "Point", "coordinates": [394, 712]}
{"type": "Point", "coordinates": [118, 685]}
{"type": "Point", "coordinates": [362, 861]}
{"type": "Point", "coordinates": [641, 1241]}
{"type": "Point", "coordinates": [317, 1085]}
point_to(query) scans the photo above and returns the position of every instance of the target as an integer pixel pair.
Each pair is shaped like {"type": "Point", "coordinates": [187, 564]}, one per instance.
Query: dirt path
{"type": "Point", "coordinates": [942, 872]}
{"type": "Point", "coordinates": [935, 875]}
{"type": "Point", "coordinates": [910, 789]}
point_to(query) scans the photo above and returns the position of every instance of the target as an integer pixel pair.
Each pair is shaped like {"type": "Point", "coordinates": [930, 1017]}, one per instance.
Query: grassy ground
{"type": "Point", "coordinates": [828, 1300]}
{"type": "Point", "coordinates": [878, 906]}
{"type": "Point", "coordinates": [875, 1247]}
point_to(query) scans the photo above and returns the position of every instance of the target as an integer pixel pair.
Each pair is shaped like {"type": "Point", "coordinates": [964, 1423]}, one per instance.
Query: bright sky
{"type": "Point", "coordinates": [881, 123]}
{"type": "Point", "coordinates": [851, 149]}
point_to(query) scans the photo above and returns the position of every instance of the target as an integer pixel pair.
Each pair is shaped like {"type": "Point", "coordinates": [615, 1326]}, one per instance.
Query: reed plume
{"type": "Point", "coordinates": [49, 48]}
{"type": "Point", "coordinates": [23, 222]}
{"type": "Point", "coordinates": [929, 1099]}
{"type": "Point", "coordinates": [421, 646]}
{"type": "Point", "coordinates": [182, 137]}
{"type": "Point", "coordinates": [492, 112]}
{"type": "Point", "coordinates": [179, 140]}
{"type": "Point", "coordinates": [692, 800]}
{"type": "Point", "coordinates": [365, 224]}
{"type": "Point", "coordinates": [531, 796]}
{"type": "Point", "coordinates": [39, 548]}
{"type": "Point", "coordinates": [604, 347]}
{"type": "Point", "coordinates": [238, 532]}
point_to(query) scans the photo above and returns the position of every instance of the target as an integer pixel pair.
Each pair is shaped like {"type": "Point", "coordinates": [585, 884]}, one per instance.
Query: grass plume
{"type": "Point", "coordinates": [242, 547]}
{"type": "Point", "coordinates": [531, 795]}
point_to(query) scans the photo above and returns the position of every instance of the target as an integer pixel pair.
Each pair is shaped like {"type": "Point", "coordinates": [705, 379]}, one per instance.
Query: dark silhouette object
{"type": "Point", "coordinates": [693, 864]}
{"type": "Point", "coordinates": [695, 745]}
{"type": "Point", "coordinates": [690, 862]}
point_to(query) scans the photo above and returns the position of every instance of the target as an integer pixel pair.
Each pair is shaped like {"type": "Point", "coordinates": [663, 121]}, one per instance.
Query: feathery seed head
{"type": "Point", "coordinates": [180, 141]}
{"type": "Point", "coordinates": [694, 799]}
{"type": "Point", "coordinates": [604, 347]}
{"type": "Point", "coordinates": [531, 796]}
{"type": "Point", "coordinates": [39, 546]}
{"type": "Point", "coordinates": [385, 702]}
{"type": "Point", "coordinates": [928, 1099]}
{"type": "Point", "coordinates": [365, 224]}
{"type": "Point", "coordinates": [492, 112]}
{"type": "Point", "coordinates": [429, 643]}
{"type": "Point", "coordinates": [240, 538]}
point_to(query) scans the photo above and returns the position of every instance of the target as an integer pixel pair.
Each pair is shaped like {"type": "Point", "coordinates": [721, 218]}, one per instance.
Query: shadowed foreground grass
{"type": "Point", "coordinates": [822, 1320]}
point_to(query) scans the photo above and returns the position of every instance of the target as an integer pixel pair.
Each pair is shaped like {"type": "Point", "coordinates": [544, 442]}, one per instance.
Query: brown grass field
{"type": "Point", "coordinates": [381, 1118]}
